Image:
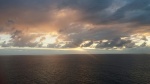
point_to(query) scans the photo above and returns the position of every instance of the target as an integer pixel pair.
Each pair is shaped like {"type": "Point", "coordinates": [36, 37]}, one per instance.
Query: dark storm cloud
{"type": "Point", "coordinates": [93, 34]}
{"type": "Point", "coordinates": [18, 17]}
{"type": "Point", "coordinates": [24, 4]}
{"type": "Point", "coordinates": [96, 11]}
{"type": "Point", "coordinates": [19, 39]}
{"type": "Point", "coordinates": [37, 11]}
{"type": "Point", "coordinates": [79, 36]}
{"type": "Point", "coordinates": [89, 9]}
{"type": "Point", "coordinates": [117, 42]}
{"type": "Point", "coordinates": [136, 11]}
{"type": "Point", "coordinates": [86, 6]}
{"type": "Point", "coordinates": [113, 43]}
{"type": "Point", "coordinates": [109, 44]}
{"type": "Point", "coordinates": [93, 11]}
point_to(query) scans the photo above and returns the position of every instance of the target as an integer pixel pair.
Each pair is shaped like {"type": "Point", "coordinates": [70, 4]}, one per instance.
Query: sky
{"type": "Point", "coordinates": [104, 24]}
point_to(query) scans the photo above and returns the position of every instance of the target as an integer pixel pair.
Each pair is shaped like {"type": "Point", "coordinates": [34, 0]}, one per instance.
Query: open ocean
{"type": "Point", "coordinates": [75, 69]}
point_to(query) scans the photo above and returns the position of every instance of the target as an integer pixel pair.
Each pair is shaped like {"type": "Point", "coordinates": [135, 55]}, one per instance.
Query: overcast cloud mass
{"type": "Point", "coordinates": [75, 23]}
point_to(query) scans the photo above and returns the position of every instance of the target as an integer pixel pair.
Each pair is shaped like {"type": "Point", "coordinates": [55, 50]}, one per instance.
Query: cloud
{"type": "Point", "coordinates": [5, 44]}
{"type": "Point", "coordinates": [86, 44]}
{"type": "Point", "coordinates": [143, 45]}
{"type": "Point", "coordinates": [66, 44]}
{"type": "Point", "coordinates": [87, 6]}
{"type": "Point", "coordinates": [108, 44]}
{"type": "Point", "coordinates": [19, 39]}
{"type": "Point", "coordinates": [51, 45]}
{"type": "Point", "coordinates": [144, 38]}
{"type": "Point", "coordinates": [113, 43]}
{"type": "Point", "coordinates": [42, 39]}
{"type": "Point", "coordinates": [135, 11]}
{"type": "Point", "coordinates": [74, 20]}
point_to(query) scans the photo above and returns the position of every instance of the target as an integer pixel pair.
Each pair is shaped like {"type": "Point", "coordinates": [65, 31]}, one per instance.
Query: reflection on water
{"type": "Point", "coordinates": [75, 69]}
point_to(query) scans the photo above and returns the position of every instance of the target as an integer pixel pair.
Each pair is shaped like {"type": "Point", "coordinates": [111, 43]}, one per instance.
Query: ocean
{"type": "Point", "coordinates": [75, 69]}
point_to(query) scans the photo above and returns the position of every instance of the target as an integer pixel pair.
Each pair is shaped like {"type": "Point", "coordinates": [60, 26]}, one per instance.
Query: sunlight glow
{"type": "Point", "coordinates": [49, 40]}
{"type": "Point", "coordinates": [4, 37]}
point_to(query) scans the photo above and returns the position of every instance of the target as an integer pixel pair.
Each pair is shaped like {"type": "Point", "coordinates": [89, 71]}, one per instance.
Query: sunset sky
{"type": "Point", "coordinates": [104, 24]}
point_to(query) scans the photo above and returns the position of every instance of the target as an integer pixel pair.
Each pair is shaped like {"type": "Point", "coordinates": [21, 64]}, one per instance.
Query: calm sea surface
{"type": "Point", "coordinates": [75, 69]}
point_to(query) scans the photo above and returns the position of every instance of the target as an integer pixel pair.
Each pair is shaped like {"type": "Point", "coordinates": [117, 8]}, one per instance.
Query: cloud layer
{"type": "Point", "coordinates": [74, 20]}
